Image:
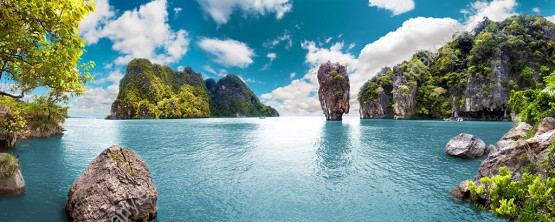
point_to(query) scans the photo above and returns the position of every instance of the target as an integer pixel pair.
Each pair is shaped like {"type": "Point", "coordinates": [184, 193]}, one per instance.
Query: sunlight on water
{"type": "Point", "coordinates": [284, 169]}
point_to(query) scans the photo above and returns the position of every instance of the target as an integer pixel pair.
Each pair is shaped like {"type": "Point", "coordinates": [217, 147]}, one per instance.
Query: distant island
{"type": "Point", "coordinates": [153, 91]}
{"type": "Point", "coordinates": [471, 77]}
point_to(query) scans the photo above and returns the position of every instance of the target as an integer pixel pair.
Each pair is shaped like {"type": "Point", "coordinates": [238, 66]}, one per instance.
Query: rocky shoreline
{"type": "Point", "coordinates": [523, 149]}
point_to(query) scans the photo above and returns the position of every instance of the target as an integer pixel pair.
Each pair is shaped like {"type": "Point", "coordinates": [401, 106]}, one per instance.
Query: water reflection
{"type": "Point", "coordinates": [333, 153]}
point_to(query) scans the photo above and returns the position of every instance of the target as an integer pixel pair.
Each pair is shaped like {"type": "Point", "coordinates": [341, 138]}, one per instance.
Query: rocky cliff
{"type": "Point", "coordinates": [334, 90]}
{"type": "Point", "coordinates": [154, 91]}
{"type": "Point", "coordinates": [471, 77]}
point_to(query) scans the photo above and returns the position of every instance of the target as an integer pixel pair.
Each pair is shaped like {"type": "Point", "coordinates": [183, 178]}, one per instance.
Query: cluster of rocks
{"type": "Point", "coordinates": [514, 152]}
{"type": "Point", "coordinates": [334, 90]}
{"type": "Point", "coordinates": [8, 140]}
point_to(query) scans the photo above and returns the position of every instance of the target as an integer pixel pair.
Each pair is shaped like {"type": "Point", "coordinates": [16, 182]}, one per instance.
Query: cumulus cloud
{"type": "Point", "coordinates": [220, 11]}
{"type": "Point", "coordinates": [137, 33]}
{"type": "Point", "coordinates": [395, 6]}
{"type": "Point", "coordinates": [292, 75]}
{"type": "Point", "coordinates": [300, 96]}
{"type": "Point", "coordinates": [228, 52]}
{"type": "Point", "coordinates": [90, 28]}
{"type": "Point", "coordinates": [536, 10]}
{"type": "Point", "coordinates": [496, 10]}
{"type": "Point", "coordinates": [97, 101]}
{"type": "Point", "coordinates": [551, 18]}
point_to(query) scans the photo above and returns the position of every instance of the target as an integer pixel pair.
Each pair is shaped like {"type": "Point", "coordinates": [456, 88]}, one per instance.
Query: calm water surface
{"type": "Point", "coordinates": [274, 169]}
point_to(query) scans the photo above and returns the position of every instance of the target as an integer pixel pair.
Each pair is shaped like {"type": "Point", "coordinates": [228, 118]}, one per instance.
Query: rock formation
{"type": "Point", "coordinates": [466, 78]}
{"type": "Point", "coordinates": [230, 96]}
{"type": "Point", "coordinates": [516, 153]}
{"type": "Point", "coordinates": [466, 146]}
{"type": "Point", "coordinates": [154, 91]}
{"type": "Point", "coordinates": [334, 90]}
{"type": "Point", "coordinates": [116, 186]}
{"type": "Point", "coordinates": [11, 181]}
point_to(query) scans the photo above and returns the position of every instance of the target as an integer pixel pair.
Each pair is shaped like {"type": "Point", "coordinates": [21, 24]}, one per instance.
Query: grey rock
{"type": "Point", "coordinates": [466, 146]}
{"type": "Point", "coordinates": [515, 134]}
{"type": "Point", "coordinates": [461, 191]}
{"type": "Point", "coordinates": [334, 90]}
{"type": "Point", "coordinates": [116, 186]}
{"type": "Point", "coordinates": [546, 125]}
{"type": "Point", "coordinates": [11, 180]}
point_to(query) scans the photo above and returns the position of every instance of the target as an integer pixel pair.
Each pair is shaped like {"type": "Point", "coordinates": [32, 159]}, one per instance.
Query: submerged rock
{"type": "Point", "coordinates": [116, 186]}
{"type": "Point", "coordinates": [461, 191]}
{"type": "Point", "coordinates": [466, 146]}
{"type": "Point", "coordinates": [334, 90]}
{"type": "Point", "coordinates": [11, 181]}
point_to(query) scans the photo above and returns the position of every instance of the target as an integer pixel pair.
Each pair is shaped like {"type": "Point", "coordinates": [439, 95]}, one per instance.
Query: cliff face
{"type": "Point", "coordinates": [334, 90]}
{"type": "Point", "coordinates": [471, 77]}
{"type": "Point", "coordinates": [230, 96]}
{"type": "Point", "coordinates": [153, 91]}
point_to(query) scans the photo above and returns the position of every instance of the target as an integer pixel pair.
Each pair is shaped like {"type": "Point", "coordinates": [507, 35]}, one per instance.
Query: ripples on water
{"type": "Point", "coordinates": [274, 169]}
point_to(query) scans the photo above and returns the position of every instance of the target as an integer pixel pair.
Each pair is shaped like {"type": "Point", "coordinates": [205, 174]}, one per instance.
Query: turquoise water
{"type": "Point", "coordinates": [274, 169]}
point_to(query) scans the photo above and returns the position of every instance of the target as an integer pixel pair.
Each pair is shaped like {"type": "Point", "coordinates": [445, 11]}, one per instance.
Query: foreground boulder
{"type": "Point", "coordinates": [334, 90]}
{"type": "Point", "coordinates": [466, 146]}
{"type": "Point", "coordinates": [11, 181]}
{"type": "Point", "coordinates": [116, 186]}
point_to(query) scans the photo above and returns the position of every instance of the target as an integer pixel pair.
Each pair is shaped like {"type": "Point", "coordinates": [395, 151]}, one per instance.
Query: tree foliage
{"type": "Point", "coordinates": [40, 46]}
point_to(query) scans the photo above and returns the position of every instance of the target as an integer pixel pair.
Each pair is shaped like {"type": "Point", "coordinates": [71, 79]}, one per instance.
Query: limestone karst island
{"type": "Point", "coordinates": [277, 110]}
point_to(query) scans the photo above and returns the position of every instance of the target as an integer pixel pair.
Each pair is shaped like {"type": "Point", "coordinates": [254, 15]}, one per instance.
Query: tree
{"type": "Point", "coordinates": [40, 46]}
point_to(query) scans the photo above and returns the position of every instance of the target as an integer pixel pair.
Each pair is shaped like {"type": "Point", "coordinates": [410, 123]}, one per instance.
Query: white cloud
{"type": "Point", "coordinates": [137, 33]}
{"type": "Point", "coordinates": [220, 11]}
{"type": "Point", "coordinates": [536, 10]}
{"type": "Point", "coordinates": [292, 75]}
{"type": "Point", "coordinates": [97, 101]}
{"type": "Point", "coordinates": [271, 56]}
{"type": "Point", "coordinates": [180, 68]}
{"type": "Point", "coordinates": [113, 77]}
{"type": "Point", "coordinates": [90, 28]}
{"type": "Point", "coordinates": [220, 73]}
{"type": "Point", "coordinates": [300, 96]}
{"type": "Point", "coordinates": [551, 18]}
{"type": "Point", "coordinates": [228, 52]}
{"type": "Point", "coordinates": [497, 10]}
{"type": "Point", "coordinates": [396, 6]}
{"type": "Point", "coordinates": [286, 37]}
{"type": "Point", "coordinates": [177, 10]}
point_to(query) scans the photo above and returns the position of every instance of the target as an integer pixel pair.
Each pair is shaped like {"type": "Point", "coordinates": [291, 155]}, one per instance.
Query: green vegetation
{"type": "Point", "coordinates": [42, 114]}
{"type": "Point", "coordinates": [154, 91]}
{"type": "Point", "coordinates": [40, 46]}
{"type": "Point", "coordinates": [232, 97]}
{"type": "Point", "coordinates": [8, 166]}
{"type": "Point", "coordinates": [482, 67]}
{"type": "Point", "coordinates": [534, 105]}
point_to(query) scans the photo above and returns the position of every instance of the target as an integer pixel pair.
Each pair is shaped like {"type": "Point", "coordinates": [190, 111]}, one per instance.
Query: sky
{"type": "Point", "coordinates": [275, 46]}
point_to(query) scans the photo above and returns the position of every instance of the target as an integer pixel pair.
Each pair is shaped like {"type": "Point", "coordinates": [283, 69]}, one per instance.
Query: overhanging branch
{"type": "Point", "coordinates": [12, 95]}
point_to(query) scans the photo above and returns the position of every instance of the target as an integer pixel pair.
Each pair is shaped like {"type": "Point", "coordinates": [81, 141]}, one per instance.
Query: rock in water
{"type": "Point", "coordinates": [116, 186]}
{"type": "Point", "coordinates": [11, 181]}
{"type": "Point", "coordinates": [466, 146]}
{"type": "Point", "coordinates": [334, 90]}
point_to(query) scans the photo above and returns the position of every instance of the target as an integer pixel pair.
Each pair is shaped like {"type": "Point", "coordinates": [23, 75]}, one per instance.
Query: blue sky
{"type": "Point", "coordinates": [274, 45]}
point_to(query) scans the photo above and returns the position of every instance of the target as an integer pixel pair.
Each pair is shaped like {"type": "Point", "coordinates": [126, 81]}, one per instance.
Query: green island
{"type": "Point", "coordinates": [149, 91]}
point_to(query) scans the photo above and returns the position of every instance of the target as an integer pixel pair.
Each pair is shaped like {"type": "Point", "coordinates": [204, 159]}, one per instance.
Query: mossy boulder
{"type": "Point", "coordinates": [116, 186]}
{"type": "Point", "coordinates": [11, 180]}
